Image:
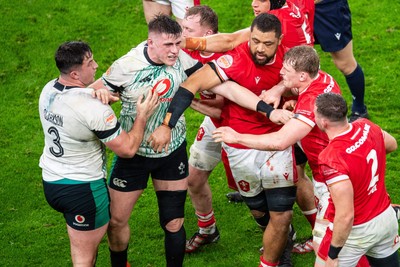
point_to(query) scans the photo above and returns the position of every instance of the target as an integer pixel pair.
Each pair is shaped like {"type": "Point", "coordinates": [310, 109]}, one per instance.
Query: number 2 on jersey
{"type": "Point", "coordinates": [372, 156]}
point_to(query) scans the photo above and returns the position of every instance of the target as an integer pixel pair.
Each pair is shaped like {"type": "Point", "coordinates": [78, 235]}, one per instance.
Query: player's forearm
{"type": "Point", "coordinates": [209, 108]}
{"type": "Point", "coordinates": [266, 142]}
{"type": "Point", "coordinates": [136, 134]}
{"type": "Point", "coordinates": [220, 42]}
{"type": "Point", "coordinates": [181, 101]}
{"type": "Point", "coordinates": [390, 142]}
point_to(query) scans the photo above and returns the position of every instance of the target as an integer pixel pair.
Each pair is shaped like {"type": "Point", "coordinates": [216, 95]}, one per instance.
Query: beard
{"type": "Point", "coordinates": [263, 61]}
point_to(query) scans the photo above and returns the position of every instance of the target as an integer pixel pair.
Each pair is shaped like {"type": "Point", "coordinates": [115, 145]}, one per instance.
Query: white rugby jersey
{"type": "Point", "coordinates": [74, 124]}
{"type": "Point", "coordinates": [135, 74]}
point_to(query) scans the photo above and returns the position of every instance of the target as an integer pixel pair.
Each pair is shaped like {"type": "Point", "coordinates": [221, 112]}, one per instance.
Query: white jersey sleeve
{"type": "Point", "coordinates": [74, 124]}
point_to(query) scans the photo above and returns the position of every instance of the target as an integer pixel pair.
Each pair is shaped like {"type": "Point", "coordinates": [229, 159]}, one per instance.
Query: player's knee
{"type": "Point", "coordinates": [174, 225]}
{"type": "Point", "coordinates": [171, 206]}
{"type": "Point", "coordinates": [258, 208]}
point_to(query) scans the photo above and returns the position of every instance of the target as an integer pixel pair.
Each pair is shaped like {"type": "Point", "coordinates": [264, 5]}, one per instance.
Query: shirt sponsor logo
{"type": "Point", "coordinates": [162, 87]}
{"type": "Point", "coordinates": [360, 141]}
{"type": "Point", "coordinates": [109, 117]}
{"type": "Point", "coordinates": [53, 118]}
{"type": "Point", "coordinates": [225, 61]}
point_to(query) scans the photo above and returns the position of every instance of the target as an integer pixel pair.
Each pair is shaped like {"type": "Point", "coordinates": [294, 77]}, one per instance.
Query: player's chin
{"type": "Point", "coordinates": [170, 61]}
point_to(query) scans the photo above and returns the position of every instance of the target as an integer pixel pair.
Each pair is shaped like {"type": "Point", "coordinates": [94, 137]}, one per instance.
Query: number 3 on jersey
{"type": "Point", "coordinates": [59, 150]}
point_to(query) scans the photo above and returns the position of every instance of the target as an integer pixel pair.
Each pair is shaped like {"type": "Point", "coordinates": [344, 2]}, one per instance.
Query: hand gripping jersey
{"type": "Point", "coordinates": [74, 124]}
{"type": "Point", "coordinates": [359, 155]}
{"type": "Point", "coordinates": [238, 65]}
{"type": "Point", "coordinates": [135, 74]}
{"type": "Point", "coordinates": [315, 141]}
{"type": "Point", "coordinates": [296, 27]}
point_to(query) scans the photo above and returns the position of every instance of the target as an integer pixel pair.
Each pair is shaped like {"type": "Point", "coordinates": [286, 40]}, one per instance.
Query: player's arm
{"type": "Point", "coordinates": [247, 99]}
{"type": "Point", "coordinates": [127, 143]}
{"type": "Point", "coordinates": [342, 196]}
{"type": "Point", "coordinates": [293, 131]}
{"type": "Point", "coordinates": [390, 142]}
{"type": "Point", "coordinates": [203, 79]}
{"type": "Point", "coordinates": [209, 107]}
{"type": "Point", "coordinates": [102, 93]}
{"type": "Point", "coordinates": [220, 42]}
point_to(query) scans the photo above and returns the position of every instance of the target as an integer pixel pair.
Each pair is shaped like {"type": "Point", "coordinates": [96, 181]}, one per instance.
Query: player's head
{"type": "Point", "coordinates": [164, 38]}
{"type": "Point", "coordinates": [330, 108]}
{"type": "Point", "coordinates": [199, 21]}
{"type": "Point", "coordinates": [263, 6]}
{"type": "Point", "coordinates": [75, 61]}
{"type": "Point", "coordinates": [300, 64]}
{"type": "Point", "coordinates": [265, 37]}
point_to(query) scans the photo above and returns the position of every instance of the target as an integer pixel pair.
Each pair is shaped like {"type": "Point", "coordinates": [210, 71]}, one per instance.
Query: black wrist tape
{"type": "Point", "coordinates": [264, 107]}
{"type": "Point", "coordinates": [182, 100]}
{"type": "Point", "coordinates": [334, 252]}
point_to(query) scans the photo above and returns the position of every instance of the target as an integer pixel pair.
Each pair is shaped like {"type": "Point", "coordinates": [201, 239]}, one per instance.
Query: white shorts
{"type": "Point", "coordinates": [377, 238]}
{"type": "Point", "coordinates": [256, 170]}
{"type": "Point", "coordinates": [178, 7]}
{"type": "Point", "coordinates": [205, 154]}
{"type": "Point", "coordinates": [322, 196]}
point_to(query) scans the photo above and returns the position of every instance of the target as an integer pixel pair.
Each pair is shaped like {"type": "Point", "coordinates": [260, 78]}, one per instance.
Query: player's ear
{"type": "Point", "coordinates": [74, 75]}
{"type": "Point", "coordinates": [303, 76]}
{"type": "Point", "coordinates": [280, 39]}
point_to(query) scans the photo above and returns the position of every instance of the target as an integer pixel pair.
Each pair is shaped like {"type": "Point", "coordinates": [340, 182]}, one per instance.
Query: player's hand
{"type": "Point", "coordinates": [289, 105]}
{"type": "Point", "coordinates": [160, 138]}
{"type": "Point", "coordinates": [271, 97]}
{"type": "Point", "coordinates": [105, 96]}
{"type": "Point", "coordinates": [280, 116]}
{"type": "Point", "coordinates": [226, 135]}
{"type": "Point", "coordinates": [145, 108]}
{"type": "Point", "coordinates": [332, 263]}
{"type": "Point", "coordinates": [317, 1]}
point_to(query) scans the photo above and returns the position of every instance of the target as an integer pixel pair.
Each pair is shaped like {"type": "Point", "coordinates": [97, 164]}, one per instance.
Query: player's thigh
{"type": "Point", "coordinates": [244, 169]}
{"type": "Point", "coordinates": [85, 205]}
{"type": "Point", "coordinates": [332, 25]}
{"type": "Point", "coordinates": [382, 234]}
{"type": "Point", "coordinates": [153, 8]}
{"type": "Point", "coordinates": [170, 172]}
{"type": "Point", "coordinates": [324, 211]}
{"type": "Point", "coordinates": [277, 168]}
{"type": "Point", "coordinates": [205, 154]}
{"type": "Point", "coordinates": [84, 244]}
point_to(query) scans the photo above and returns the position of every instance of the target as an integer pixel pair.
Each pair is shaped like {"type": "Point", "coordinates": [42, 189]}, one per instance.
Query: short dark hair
{"type": "Point", "coordinates": [208, 17]}
{"type": "Point", "coordinates": [332, 106]}
{"type": "Point", "coordinates": [276, 4]}
{"type": "Point", "coordinates": [71, 54]}
{"type": "Point", "coordinates": [267, 23]}
{"type": "Point", "coordinates": [164, 24]}
{"type": "Point", "coordinates": [303, 58]}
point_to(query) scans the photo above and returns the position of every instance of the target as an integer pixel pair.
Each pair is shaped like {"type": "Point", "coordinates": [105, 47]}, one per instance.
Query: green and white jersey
{"type": "Point", "coordinates": [136, 74]}
{"type": "Point", "coordinates": [75, 126]}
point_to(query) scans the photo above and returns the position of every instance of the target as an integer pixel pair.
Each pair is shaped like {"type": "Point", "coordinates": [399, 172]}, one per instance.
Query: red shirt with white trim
{"type": "Point", "coordinates": [315, 141]}
{"type": "Point", "coordinates": [359, 154]}
{"type": "Point", "coordinates": [238, 65]}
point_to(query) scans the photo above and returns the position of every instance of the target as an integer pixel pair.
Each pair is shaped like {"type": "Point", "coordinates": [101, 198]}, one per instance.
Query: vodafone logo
{"type": "Point", "coordinates": [162, 87]}
{"type": "Point", "coordinates": [79, 218]}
